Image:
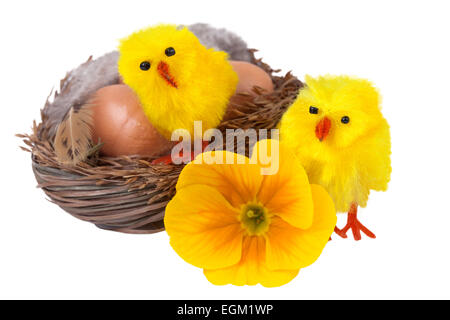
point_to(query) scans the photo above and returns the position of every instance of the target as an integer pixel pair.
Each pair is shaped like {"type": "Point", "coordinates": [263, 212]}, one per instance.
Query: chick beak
{"type": "Point", "coordinates": [323, 128]}
{"type": "Point", "coordinates": [163, 70]}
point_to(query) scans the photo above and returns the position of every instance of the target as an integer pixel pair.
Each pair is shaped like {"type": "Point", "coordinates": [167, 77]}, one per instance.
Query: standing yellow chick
{"type": "Point", "coordinates": [342, 139]}
{"type": "Point", "coordinates": [176, 78]}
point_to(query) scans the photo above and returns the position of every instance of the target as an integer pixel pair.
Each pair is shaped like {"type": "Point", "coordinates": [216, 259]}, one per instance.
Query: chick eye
{"type": "Point", "coordinates": [345, 119]}
{"type": "Point", "coordinates": [145, 66]}
{"type": "Point", "coordinates": [170, 51]}
{"type": "Point", "coordinates": [313, 110]}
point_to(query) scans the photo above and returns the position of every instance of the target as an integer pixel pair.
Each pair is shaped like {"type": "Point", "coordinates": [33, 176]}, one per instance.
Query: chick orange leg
{"type": "Point", "coordinates": [354, 224]}
{"type": "Point", "coordinates": [163, 160]}
{"type": "Point", "coordinates": [184, 157]}
{"type": "Point", "coordinates": [336, 230]}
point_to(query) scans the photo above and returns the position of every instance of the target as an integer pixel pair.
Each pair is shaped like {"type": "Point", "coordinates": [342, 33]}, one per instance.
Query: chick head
{"type": "Point", "coordinates": [160, 58]}
{"type": "Point", "coordinates": [177, 79]}
{"type": "Point", "coordinates": [333, 111]}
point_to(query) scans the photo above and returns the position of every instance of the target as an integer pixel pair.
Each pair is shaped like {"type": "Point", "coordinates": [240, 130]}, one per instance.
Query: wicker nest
{"type": "Point", "coordinates": [129, 194]}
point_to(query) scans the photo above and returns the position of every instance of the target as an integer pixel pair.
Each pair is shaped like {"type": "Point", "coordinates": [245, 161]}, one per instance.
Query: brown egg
{"type": "Point", "coordinates": [250, 76]}
{"type": "Point", "coordinates": [120, 123]}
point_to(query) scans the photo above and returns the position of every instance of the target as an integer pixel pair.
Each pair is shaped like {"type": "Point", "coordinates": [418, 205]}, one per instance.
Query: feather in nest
{"type": "Point", "coordinates": [73, 140]}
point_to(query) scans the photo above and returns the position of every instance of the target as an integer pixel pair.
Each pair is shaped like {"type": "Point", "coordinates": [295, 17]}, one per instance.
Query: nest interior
{"type": "Point", "coordinates": [129, 194]}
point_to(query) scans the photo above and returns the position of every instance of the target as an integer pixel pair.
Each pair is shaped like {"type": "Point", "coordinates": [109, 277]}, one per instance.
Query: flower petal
{"type": "Point", "coordinates": [287, 193]}
{"type": "Point", "coordinates": [252, 268]}
{"type": "Point", "coordinates": [289, 247]}
{"type": "Point", "coordinates": [204, 228]}
{"type": "Point", "coordinates": [239, 183]}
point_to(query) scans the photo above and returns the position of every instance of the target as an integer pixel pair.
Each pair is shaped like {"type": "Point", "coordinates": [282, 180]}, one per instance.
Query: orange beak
{"type": "Point", "coordinates": [163, 70]}
{"type": "Point", "coordinates": [323, 128]}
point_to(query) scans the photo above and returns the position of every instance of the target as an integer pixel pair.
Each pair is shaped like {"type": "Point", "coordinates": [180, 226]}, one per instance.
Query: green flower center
{"type": "Point", "coordinates": [254, 218]}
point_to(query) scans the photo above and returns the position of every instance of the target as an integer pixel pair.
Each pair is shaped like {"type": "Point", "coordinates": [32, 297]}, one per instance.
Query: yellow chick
{"type": "Point", "coordinates": [342, 139]}
{"type": "Point", "coordinates": [176, 78]}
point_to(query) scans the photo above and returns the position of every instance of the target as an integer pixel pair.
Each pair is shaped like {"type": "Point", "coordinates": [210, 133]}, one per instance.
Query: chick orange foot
{"type": "Point", "coordinates": [354, 224]}
{"type": "Point", "coordinates": [182, 157]}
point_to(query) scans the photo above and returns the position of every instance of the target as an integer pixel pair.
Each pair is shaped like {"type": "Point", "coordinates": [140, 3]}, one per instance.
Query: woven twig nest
{"type": "Point", "coordinates": [129, 194]}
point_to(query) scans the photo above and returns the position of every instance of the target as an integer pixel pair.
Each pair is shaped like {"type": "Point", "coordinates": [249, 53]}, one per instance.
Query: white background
{"type": "Point", "coordinates": [403, 46]}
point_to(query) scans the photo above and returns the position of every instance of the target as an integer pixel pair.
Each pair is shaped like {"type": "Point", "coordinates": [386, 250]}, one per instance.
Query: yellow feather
{"type": "Point", "coordinates": [354, 158]}
{"type": "Point", "coordinates": [204, 79]}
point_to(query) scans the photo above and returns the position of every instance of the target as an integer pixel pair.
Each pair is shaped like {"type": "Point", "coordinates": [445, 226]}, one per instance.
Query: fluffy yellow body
{"type": "Point", "coordinates": [184, 82]}
{"type": "Point", "coordinates": [353, 156]}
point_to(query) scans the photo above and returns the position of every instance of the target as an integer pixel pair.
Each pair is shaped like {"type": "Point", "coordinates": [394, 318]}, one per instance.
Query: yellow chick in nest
{"type": "Point", "coordinates": [176, 78]}
{"type": "Point", "coordinates": [342, 139]}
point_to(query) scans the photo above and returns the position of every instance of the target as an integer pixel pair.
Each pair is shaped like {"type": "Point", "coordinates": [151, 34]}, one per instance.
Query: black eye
{"type": "Point", "coordinates": [145, 66]}
{"type": "Point", "coordinates": [170, 51]}
{"type": "Point", "coordinates": [313, 110]}
{"type": "Point", "coordinates": [345, 119]}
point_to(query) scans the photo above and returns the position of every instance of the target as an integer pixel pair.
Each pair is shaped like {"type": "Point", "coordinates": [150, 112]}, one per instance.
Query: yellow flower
{"type": "Point", "coordinates": [246, 228]}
